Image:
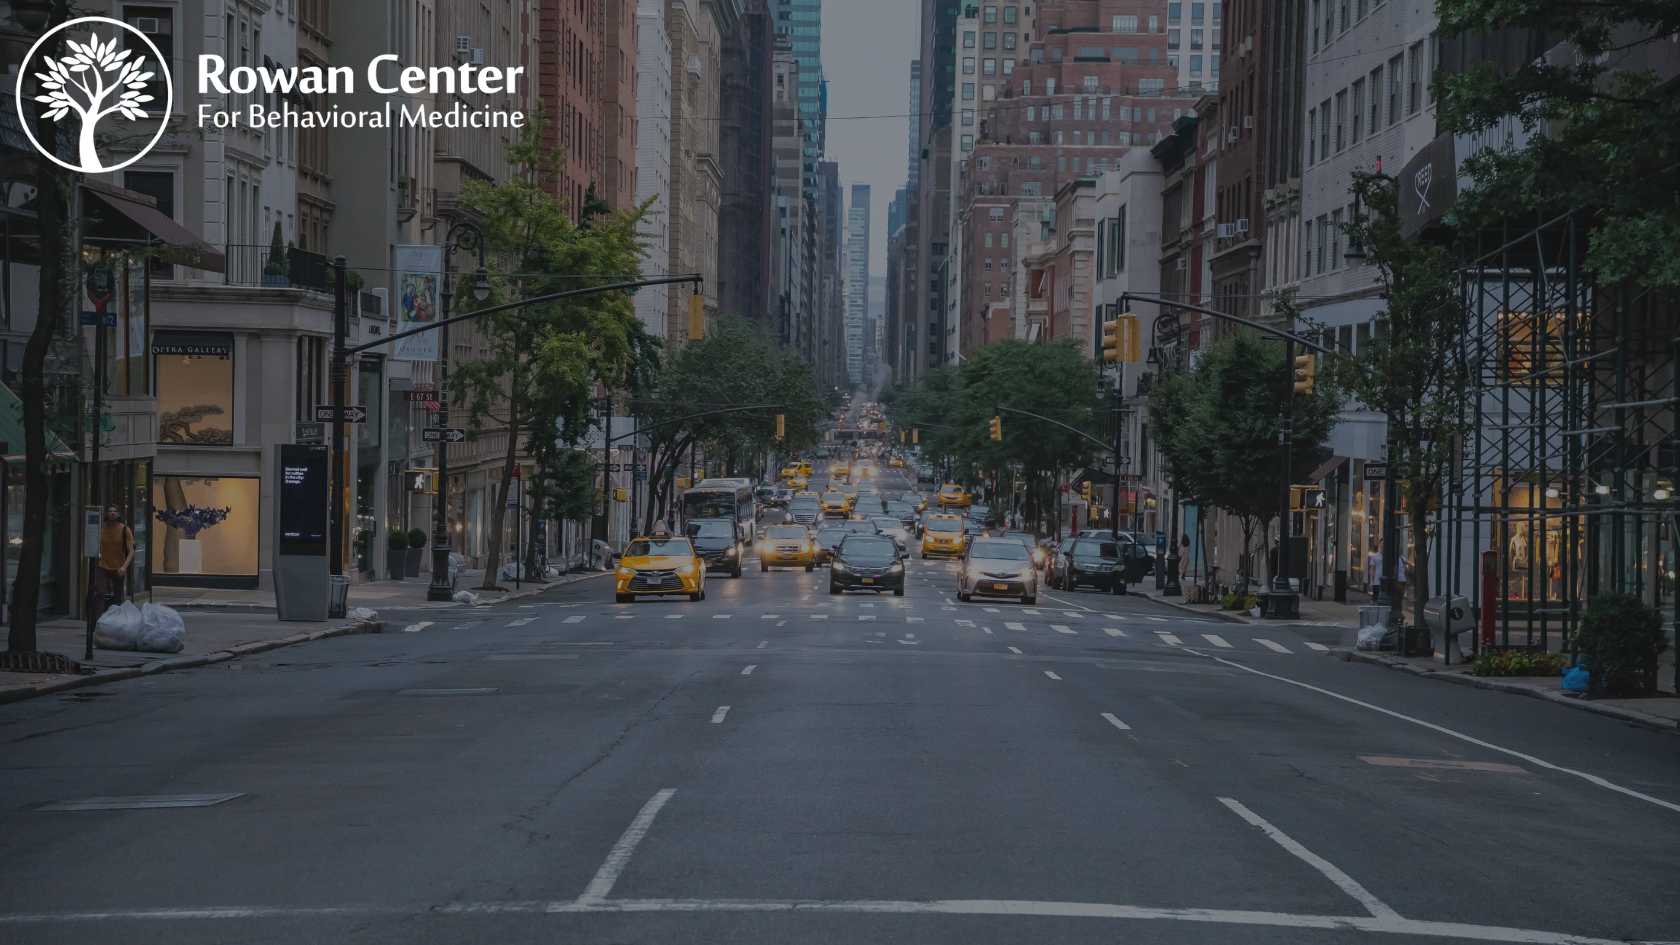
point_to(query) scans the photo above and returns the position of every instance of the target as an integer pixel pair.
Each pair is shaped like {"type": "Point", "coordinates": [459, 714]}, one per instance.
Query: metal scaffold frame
{"type": "Point", "coordinates": [1569, 464]}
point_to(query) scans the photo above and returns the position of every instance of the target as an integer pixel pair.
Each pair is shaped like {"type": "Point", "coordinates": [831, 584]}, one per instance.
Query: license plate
{"type": "Point", "coordinates": [869, 580]}
{"type": "Point", "coordinates": [1000, 587]}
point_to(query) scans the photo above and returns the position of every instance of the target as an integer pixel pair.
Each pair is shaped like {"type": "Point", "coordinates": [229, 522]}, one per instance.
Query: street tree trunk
{"type": "Point", "coordinates": [60, 234]}
{"type": "Point", "coordinates": [498, 515]}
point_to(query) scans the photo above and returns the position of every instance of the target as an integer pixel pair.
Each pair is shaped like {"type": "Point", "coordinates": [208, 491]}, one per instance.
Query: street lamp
{"type": "Point", "coordinates": [462, 233]}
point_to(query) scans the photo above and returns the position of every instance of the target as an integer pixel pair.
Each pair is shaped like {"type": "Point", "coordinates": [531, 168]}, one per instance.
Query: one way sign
{"type": "Point", "coordinates": [324, 413]}
{"type": "Point", "coordinates": [443, 435]}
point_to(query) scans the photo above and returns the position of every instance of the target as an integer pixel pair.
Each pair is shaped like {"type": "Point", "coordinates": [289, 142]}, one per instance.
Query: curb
{"type": "Point", "coordinates": [20, 693]}
{"type": "Point", "coordinates": [1653, 722]}
{"type": "Point", "coordinates": [1191, 609]}
{"type": "Point", "coordinates": [239, 607]}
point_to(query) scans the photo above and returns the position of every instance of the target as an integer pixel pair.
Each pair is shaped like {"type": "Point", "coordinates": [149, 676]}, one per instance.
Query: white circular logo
{"type": "Point", "coordinates": [98, 84]}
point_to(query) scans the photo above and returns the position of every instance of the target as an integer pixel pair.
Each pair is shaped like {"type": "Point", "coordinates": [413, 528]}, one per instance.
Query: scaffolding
{"type": "Point", "coordinates": [1569, 461]}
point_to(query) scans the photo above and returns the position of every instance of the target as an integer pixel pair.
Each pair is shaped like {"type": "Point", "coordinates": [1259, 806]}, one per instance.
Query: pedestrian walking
{"type": "Point", "coordinates": [1373, 572]}
{"type": "Point", "coordinates": [116, 553]}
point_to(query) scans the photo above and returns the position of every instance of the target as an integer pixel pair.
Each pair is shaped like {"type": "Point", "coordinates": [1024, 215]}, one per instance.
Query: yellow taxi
{"type": "Point", "coordinates": [787, 546]}
{"type": "Point", "coordinates": [897, 462]}
{"type": "Point", "coordinates": [952, 496]}
{"type": "Point", "coordinates": [836, 504]}
{"type": "Point", "coordinates": [659, 565]}
{"type": "Point", "coordinates": [805, 468]}
{"type": "Point", "coordinates": [943, 536]}
{"type": "Point", "coordinates": [790, 471]}
{"type": "Point", "coordinates": [798, 483]}
{"type": "Point", "coordinates": [841, 473]}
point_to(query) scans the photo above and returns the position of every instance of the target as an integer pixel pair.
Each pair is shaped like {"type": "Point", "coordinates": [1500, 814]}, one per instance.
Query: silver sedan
{"type": "Point", "coordinates": [997, 567]}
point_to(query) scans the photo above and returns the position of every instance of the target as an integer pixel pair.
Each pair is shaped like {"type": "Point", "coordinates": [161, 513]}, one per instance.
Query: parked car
{"type": "Point", "coordinates": [867, 562]}
{"type": "Point", "coordinates": [997, 567]}
{"type": "Point", "coordinates": [1092, 561]}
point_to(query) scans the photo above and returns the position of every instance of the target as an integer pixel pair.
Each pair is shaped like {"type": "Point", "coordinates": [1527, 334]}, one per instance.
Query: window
{"type": "Point", "coordinates": [1319, 268]}
{"type": "Point", "coordinates": [1091, 83]}
{"type": "Point", "coordinates": [995, 214]}
{"type": "Point", "coordinates": [1375, 116]}
{"type": "Point", "coordinates": [1003, 240]}
{"type": "Point", "coordinates": [968, 91]}
{"type": "Point", "coordinates": [968, 117]}
{"type": "Point", "coordinates": [1316, 6]}
{"type": "Point", "coordinates": [968, 39]}
{"type": "Point", "coordinates": [968, 65]}
{"type": "Point", "coordinates": [1324, 129]}
{"type": "Point", "coordinates": [1197, 11]}
{"type": "Point", "coordinates": [1026, 87]}
{"type": "Point", "coordinates": [1009, 14]}
{"type": "Point", "coordinates": [1394, 67]}
{"type": "Point", "coordinates": [988, 41]}
{"type": "Point", "coordinates": [1154, 24]}
{"type": "Point", "coordinates": [1175, 12]}
{"type": "Point", "coordinates": [988, 67]}
{"type": "Point", "coordinates": [194, 372]}
{"type": "Point", "coordinates": [228, 547]}
{"type": "Point", "coordinates": [1173, 39]}
{"type": "Point", "coordinates": [1358, 109]}
{"type": "Point", "coordinates": [1312, 134]}
{"type": "Point", "coordinates": [1329, 20]}
{"type": "Point", "coordinates": [1049, 86]}
{"type": "Point", "coordinates": [1341, 120]}
{"type": "Point", "coordinates": [988, 241]}
{"type": "Point", "coordinates": [1125, 24]}
{"type": "Point", "coordinates": [1336, 240]}
{"type": "Point", "coordinates": [1195, 37]}
{"type": "Point", "coordinates": [1414, 79]}
{"type": "Point", "coordinates": [1434, 45]}
{"type": "Point", "coordinates": [1307, 242]}
{"type": "Point", "coordinates": [1009, 42]}
{"type": "Point", "coordinates": [967, 143]}
{"type": "Point", "coordinates": [1009, 66]}
{"type": "Point", "coordinates": [158, 23]}
{"type": "Point", "coordinates": [990, 15]}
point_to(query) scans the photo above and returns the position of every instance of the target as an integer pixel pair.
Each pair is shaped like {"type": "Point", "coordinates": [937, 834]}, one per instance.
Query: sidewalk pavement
{"type": "Point", "coordinates": [223, 625]}
{"type": "Point", "coordinates": [1659, 712]}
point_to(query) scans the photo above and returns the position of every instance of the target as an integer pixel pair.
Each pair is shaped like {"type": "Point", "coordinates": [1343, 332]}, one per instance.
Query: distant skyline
{"type": "Point", "coordinates": [867, 48]}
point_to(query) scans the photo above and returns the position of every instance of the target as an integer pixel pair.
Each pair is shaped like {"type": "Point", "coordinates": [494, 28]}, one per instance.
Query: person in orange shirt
{"type": "Point", "coordinates": [116, 553]}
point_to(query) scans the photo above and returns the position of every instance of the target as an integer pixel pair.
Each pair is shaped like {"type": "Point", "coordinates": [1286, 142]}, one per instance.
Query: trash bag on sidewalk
{"type": "Point", "coordinates": [1377, 637]}
{"type": "Point", "coordinates": [1576, 678]}
{"type": "Point", "coordinates": [465, 597]}
{"type": "Point", "coordinates": [161, 630]}
{"type": "Point", "coordinates": [513, 571]}
{"type": "Point", "coordinates": [362, 615]}
{"type": "Point", "coordinates": [118, 628]}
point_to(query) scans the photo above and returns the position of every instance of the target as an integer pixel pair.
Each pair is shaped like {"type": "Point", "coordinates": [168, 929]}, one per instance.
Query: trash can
{"type": "Point", "coordinates": [338, 600]}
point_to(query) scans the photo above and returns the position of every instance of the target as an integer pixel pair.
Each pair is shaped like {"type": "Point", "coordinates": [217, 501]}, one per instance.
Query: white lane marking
{"type": "Point", "coordinates": [865, 617]}
{"type": "Point", "coordinates": [762, 644]}
{"type": "Point", "coordinates": [472, 691]}
{"type": "Point", "coordinates": [1113, 616]}
{"type": "Point", "coordinates": [1073, 615]}
{"type": "Point", "coordinates": [781, 623]}
{"type": "Point", "coordinates": [1064, 628]}
{"type": "Point", "coordinates": [624, 617]}
{"type": "Point", "coordinates": [673, 616]}
{"type": "Point", "coordinates": [619, 856]}
{"type": "Point", "coordinates": [1111, 631]}
{"type": "Point", "coordinates": [967, 907]}
{"type": "Point", "coordinates": [1052, 674]}
{"type": "Point", "coordinates": [1012, 625]}
{"type": "Point", "coordinates": [575, 618]}
{"type": "Point", "coordinates": [909, 636]}
{"type": "Point", "coordinates": [1343, 881]}
{"type": "Point", "coordinates": [947, 608]}
{"type": "Point", "coordinates": [990, 610]}
{"type": "Point", "coordinates": [769, 616]}
{"type": "Point", "coordinates": [988, 630]}
{"type": "Point", "coordinates": [1016, 650]}
{"type": "Point", "coordinates": [1034, 611]}
{"type": "Point", "coordinates": [1274, 647]}
{"type": "Point", "coordinates": [522, 621]}
{"type": "Point", "coordinates": [1070, 603]}
{"type": "Point", "coordinates": [965, 623]}
{"type": "Point", "coordinates": [717, 717]}
{"type": "Point", "coordinates": [1216, 640]}
{"type": "Point", "coordinates": [748, 671]}
{"type": "Point", "coordinates": [1315, 647]}
{"type": "Point", "coordinates": [1122, 726]}
{"type": "Point", "coordinates": [1170, 639]}
{"type": "Point", "coordinates": [819, 616]}
{"type": "Point", "coordinates": [1592, 779]}
{"type": "Point", "coordinates": [722, 616]}
{"type": "Point", "coordinates": [417, 627]}
{"type": "Point", "coordinates": [914, 619]}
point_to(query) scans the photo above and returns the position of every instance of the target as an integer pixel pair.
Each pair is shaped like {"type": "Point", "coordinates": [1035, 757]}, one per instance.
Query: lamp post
{"type": "Point", "coordinates": [462, 233]}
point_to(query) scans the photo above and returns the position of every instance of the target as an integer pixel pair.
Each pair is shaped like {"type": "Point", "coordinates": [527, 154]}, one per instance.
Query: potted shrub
{"type": "Point", "coordinates": [185, 524]}
{"type": "Point", "coordinates": [1619, 641]}
{"type": "Point", "coordinates": [275, 271]}
{"type": "Point", "coordinates": [419, 546]}
{"type": "Point", "coordinates": [396, 546]}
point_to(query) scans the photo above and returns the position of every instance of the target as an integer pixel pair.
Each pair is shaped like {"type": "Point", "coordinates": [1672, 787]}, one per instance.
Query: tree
{"type": "Point", "coordinates": [1413, 372]}
{"type": "Point", "coordinates": [1605, 126]}
{"type": "Point", "coordinates": [1219, 429]}
{"type": "Point", "coordinates": [65, 89]}
{"type": "Point", "coordinates": [539, 362]}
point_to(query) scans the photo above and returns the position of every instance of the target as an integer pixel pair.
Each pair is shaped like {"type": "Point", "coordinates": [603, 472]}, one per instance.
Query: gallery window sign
{"type": "Point", "coordinates": [192, 347]}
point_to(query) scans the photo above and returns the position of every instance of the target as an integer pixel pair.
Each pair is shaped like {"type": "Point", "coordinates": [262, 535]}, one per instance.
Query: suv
{"type": "Point", "coordinates": [716, 543]}
{"type": "Point", "coordinates": [1097, 562]}
{"type": "Point", "coordinates": [867, 562]}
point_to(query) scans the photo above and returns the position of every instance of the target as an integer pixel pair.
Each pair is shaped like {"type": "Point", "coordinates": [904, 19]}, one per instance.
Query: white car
{"type": "Point", "coordinates": [894, 529]}
{"type": "Point", "coordinates": [997, 567]}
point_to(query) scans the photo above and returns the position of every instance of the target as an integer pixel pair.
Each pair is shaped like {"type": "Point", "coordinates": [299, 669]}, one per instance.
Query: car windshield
{"type": "Point", "coordinates": [868, 551]}
{"type": "Point", "coordinates": [657, 547]}
{"type": "Point", "coordinates": [711, 530]}
{"type": "Point", "coordinates": [1096, 549]}
{"type": "Point", "coordinates": [829, 536]}
{"type": "Point", "coordinates": [862, 528]}
{"type": "Point", "coordinates": [944, 525]}
{"type": "Point", "coordinates": [787, 531]}
{"type": "Point", "coordinates": [995, 550]}
{"type": "Point", "coordinates": [833, 498]}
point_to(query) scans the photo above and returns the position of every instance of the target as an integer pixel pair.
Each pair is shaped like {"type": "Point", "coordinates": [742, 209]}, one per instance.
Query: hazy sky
{"type": "Point", "coordinates": [867, 48]}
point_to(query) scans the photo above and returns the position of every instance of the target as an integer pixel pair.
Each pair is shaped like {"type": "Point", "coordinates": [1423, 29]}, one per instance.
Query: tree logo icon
{"type": "Point", "coordinates": [98, 84]}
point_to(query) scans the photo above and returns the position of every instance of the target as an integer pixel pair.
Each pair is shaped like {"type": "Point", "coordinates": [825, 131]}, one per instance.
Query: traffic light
{"type": "Point", "coordinates": [903, 437]}
{"type": "Point", "coordinates": [422, 480]}
{"type": "Point", "coordinates": [781, 426]}
{"type": "Point", "coordinates": [996, 425]}
{"type": "Point", "coordinates": [1306, 373]}
{"type": "Point", "coordinates": [1123, 339]}
{"type": "Point", "coordinates": [696, 317]}
{"type": "Point", "coordinates": [916, 435]}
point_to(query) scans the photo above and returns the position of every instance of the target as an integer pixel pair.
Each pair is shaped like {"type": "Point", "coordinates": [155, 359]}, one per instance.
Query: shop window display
{"type": "Point", "coordinates": [194, 388]}
{"type": "Point", "coordinates": [205, 526]}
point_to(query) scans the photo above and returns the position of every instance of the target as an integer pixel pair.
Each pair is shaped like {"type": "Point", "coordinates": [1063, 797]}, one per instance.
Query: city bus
{"type": "Point", "coordinates": [723, 498]}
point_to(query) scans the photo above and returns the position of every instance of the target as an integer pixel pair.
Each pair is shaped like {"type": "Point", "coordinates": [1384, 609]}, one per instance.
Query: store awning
{"type": "Point", "coordinates": [112, 214]}
{"type": "Point", "coordinates": [1327, 469]}
{"type": "Point", "coordinates": [11, 431]}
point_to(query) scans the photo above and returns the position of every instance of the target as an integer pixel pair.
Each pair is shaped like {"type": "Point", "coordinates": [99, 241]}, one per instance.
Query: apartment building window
{"type": "Point", "coordinates": [967, 143]}
{"type": "Point", "coordinates": [1003, 240]}
{"type": "Point", "coordinates": [158, 23]}
{"type": "Point", "coordinates": [1434, 45]}
{"type": "Point", "coordinates": [1009, 67]}
{"type": "Point", "coordinates": [990, 15]}
{"type": "Point", "coordinates": [1329, 21]}
{"type": "Point", "coordinates": [968, 91]}
{"type": "Point", "coordinates": [1358, 109]}
{"type": "Point", "coordinates": [1324, 129]}
{"type": "Point", "coordinates": [1125, 24]}
{"type": "Point", "coordinates": [1336, 240]}
{"type": "Point", "coordinates": [1307, 245]}
{"type": "Point", "coordinates": [1376, 101]}
{"type": "Point", "coordinates": [1312, 135]}
{"type": "Point", "coordinates": [1009, 14]}
{"type": "Point", "coordinates": [1078, 110]}
{"type": "Point", "coordinates": [988, 67]}
{"type": "Point", "coordinates": [1322, 234]}
{"type": "Point", "coordinates": [1009, 42]}
{"type": "Point", "coordinates": [995, 214]}
{"type": "Point", "coordinates": [968, 117]}
{"type": "Point", "coordinates": [988, 241]}
{"type": "Point", "coordinates": [1154, 24]}
{"type": "Point", "coordinates": [1175, 12]}
{"type": "Point", "coordinates": [1341, 120]}
{"type": "Point", "coordinates": [968, 39]}
{"type": "Point", "coordinates": [968, 65]}
{"type": "Point", "coordinates": [1195, 66]}
{"type": "Point", "coordinates": [1195, 37]}
{"type": "Point", "coordinates": [1197, 10]}
{"type": "Point", "coordinates": [1173, 39]}
{"type": "Point", "coordinates": [1215, 12]}
{"type": "Point", "coordinates": [1358, 10]}
{"type": "Point", "coordinates": [1106, 103]}
{"type": "Point", "coordinates": [1414, 79]}
{"type": "Point", "coordinates": [1342, 6]}
{"type": "Point", "coordinates": [1049, 86]}
{"type": "Point", "coordinates": [1316, 7]}
{"type": "Point", "coordinates": [1090, 82]}
{"type": "Point", "coordinates": [988, 41]}
{"type": "Point", "coordinates": [1032, 113]}
{"type": "Point", "coordinates": [1026, 87]}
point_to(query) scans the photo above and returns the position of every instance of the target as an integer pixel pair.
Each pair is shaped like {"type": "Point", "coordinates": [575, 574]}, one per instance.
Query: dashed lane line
{"type": "Point", "coordinates": [417, 627]}
{"type": "Point", "coordinates": [1016, 650]}
{"type": "Point", "coordinates": [1114, 631]}
{"type": "Point", "coordinates": [1052, 674]}
{"type": "Point", "coordinates": [575, 618]}
{"type": "Point", "coordinates": [748, 670]}
{"type": "Point", "coordinates": [1122, 726]}
{"type": "Point", "coordinates": [1315, 647]}
{"type": "Point", "coordinates": [718, 716]}
{"type": "Point", "coordinates": [1216, 640]}
{"type": "Point", "coordinates": [1170, 639]}
{"type": "Point", "coordinates": [1013, 625]}
{"type": "Point", "coordinates": [522, 621]}
{"type": "Point", "coordinates": [1063, 628]}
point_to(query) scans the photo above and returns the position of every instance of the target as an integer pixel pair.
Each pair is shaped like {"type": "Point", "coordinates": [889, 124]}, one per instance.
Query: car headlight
{"type": "Point", "coordinates": [1026, 574]}
{"type": "Point", "coordinates": [1038, 556]}
{"type": "Point", "coordinates": [897, 568]}
{"type": "Point", "coordinates": [626, 573]}
{"type": "Point", "coordinates": [732, 552]}
{"type": "Point", "coordinates": [839, 565]}
{"type": "Point", "coordinates": [686, 569]}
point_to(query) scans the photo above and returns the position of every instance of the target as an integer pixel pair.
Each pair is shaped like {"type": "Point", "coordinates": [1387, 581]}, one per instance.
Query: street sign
{"type": "Point", "coordinates": [443, 435]}
{"type": "Point", "coordinates": [1376, 472]}
{"type": "Point", "coordinates": [90, 319]}
{"type": "Point", "coordinates": [324, 413]}
{"type": "Point", "coordinates": [309, 431]}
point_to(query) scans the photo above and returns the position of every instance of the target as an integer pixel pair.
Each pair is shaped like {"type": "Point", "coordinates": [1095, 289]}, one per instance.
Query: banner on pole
{"type": "Point", "coordinates": [419, 271]}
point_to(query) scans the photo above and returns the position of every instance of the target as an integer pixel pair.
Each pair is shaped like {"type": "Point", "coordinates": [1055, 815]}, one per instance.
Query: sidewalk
{"type": "Point", "coordinates": [1319, 613]}
{"type": "Point", "coordinates": [224, 624]}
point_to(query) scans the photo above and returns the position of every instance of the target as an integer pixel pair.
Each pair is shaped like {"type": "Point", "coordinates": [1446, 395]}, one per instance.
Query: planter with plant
{"type": "Point", "coordinates": [275, 271]}
{"type": "Point", "coordinates": [419, 544]}
{"type": "Point", "coordinates": [1620, 641]}
{"type": "Point", "coordinates": [189, 521]}
{"type": "Point", "coordinates": [396, 558]}
{"type": "Point", "coordinates": [1517, 663]}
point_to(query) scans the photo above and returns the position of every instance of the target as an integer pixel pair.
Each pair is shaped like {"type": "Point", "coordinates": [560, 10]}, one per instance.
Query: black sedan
{"type": "Point", "coordinates": [1095, 562]}
{"type": "Point", "coordinates": [715, 542]}
{"type": "Point", "coordinates": [866, 563]}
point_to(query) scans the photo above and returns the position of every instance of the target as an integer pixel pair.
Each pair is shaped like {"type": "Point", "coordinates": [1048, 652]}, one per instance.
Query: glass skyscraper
{"type": "Point", "coordinates": [801, 22]}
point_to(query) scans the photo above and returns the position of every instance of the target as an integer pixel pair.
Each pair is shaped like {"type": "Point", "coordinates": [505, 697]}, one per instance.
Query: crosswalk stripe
{"type": "Point", "coordinates": [914, 619]}
{"type": "Point", "coordinates": [575, 618]}
{"type": "Point", "coordinates": [965, 623]}
{"type": "Point", "coordinates": [1014, 626]}
{"type": "Point", "coordinates": [1074, 614]}
{"type": "Point", "coordinates": [1317, 647]}
{"type": "Point", "coordinates": [1122, 726]}
{"type": "Point", "coordinates": [770, 616]}
{"type": "Point", "coordinates": [722, 616]}
{"type": "Point", "coordinates": [1063, 628]}
{"type": "Point", "coordinates": [1158, 619]}
{"type": "Point", "coordinates": [1216, 640]}
{"type": "Point", "coordinates": [1116, 616]}
{"type": "Point", "coordinates": [1114, 631]}
{"type": "Point", "coordinates": [1170, 639]}
{"type": "Point", "coordinates": [1274, 647]}
{"type": "Point", "coordinates": [863, 617]}
{"type": "Point", "coordinates": [1051, 674]}
{"type": "Point", "coordinates": [819, 616]}
{"type": "Point", "coordinates": [522, 621]}
{"type": "Point", "coordinates": [673, 616]}
{"type": "Point", "coordinates": [990, 610]}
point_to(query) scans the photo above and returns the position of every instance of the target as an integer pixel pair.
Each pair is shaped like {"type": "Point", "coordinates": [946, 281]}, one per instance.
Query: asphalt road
{"type": "Point", "coordinates": [778, 765]}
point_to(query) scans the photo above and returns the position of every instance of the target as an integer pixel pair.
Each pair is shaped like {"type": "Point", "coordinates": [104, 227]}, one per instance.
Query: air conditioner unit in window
{"type": "Point", "coordinates": [147, 24]}
{"type": "Point", "coordinates": [1242, 225]}
{"type": "Point", "coordinates": [1226, 230]}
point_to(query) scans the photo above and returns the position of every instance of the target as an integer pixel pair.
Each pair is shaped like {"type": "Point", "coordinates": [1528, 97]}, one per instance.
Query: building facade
{"type": "Point", "coordinates": [857, 283]}
{"type": "Point", "coordinates": [747, 217]}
